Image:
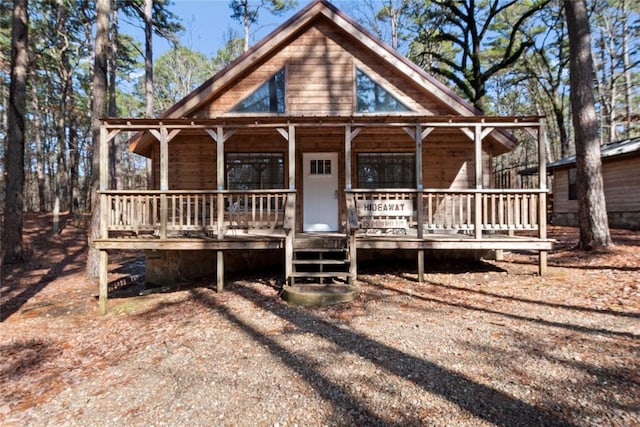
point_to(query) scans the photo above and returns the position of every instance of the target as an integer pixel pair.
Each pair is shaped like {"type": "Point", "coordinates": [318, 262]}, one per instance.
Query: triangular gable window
{"type": "Point", "coordinates": [268, 98]}
{"type": "Point", "coordinates": [373, 98]}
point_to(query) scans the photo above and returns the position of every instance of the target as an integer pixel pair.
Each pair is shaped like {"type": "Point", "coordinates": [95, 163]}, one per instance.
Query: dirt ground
{"type": "Point", "coordinates": [486, 343]}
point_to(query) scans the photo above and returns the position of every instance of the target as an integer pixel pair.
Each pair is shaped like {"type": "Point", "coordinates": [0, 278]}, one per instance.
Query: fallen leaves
{"type": "Point", "coordinates": [579, 322]}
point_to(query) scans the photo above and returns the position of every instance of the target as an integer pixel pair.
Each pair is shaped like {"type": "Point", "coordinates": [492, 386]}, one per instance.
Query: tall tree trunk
{"type": "Point", "coordinates": [613, 135]}
{"type": "Point", "coordinates": [246, 23]}
{"type": "Point", "coordinates": [98, 110]}
{"type": "Point", "coordinates": [562, 130]}
{"type": "Point", "coordinates": [115, 167]}
{"type": "Point", "coordinates": [148, 79]}
{"type": "Point", "coordinates": [59, 187]}
{"type": "Point", "coordinates": [74, 162]}
{"type": "Point", "coordinates": [628, 84]}
{"type": "Point", "coordinates": [148, 57]}
{"type": "Point", "coordinates": [4, 95]}
{"type": "Point", "coordinates": [592, 209]}
{"type": "Point", "coordinates": [12, 249]}
{"type": "Point", "coordinates": [601, 87]}
{"type": "Point", "coordinates": [39, 155]}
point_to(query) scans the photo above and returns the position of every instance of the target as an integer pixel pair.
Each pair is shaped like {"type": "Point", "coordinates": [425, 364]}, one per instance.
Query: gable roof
{"type": "Point", "coordinates": [290, 29]}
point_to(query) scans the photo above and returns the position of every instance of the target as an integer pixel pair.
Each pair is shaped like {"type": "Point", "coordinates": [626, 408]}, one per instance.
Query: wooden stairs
{"type": "Point", "coordinates": [320, 273]}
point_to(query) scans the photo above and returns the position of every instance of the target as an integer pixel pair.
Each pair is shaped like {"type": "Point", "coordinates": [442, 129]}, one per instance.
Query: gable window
{"type": "Point", "coordinates": [254, 171]}
{"type": "Point", "coordinates": [573, 185]}
{"type": "Point", "coordinates": [268, 98]}
{"type": "Point", "coordinates": [386, 170]}
{"type": "Point", "coordinates": [373, 98]}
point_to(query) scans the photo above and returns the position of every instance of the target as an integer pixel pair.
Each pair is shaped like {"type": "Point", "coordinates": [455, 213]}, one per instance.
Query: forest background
{"type": "Point", "coordinates": [505, 57]}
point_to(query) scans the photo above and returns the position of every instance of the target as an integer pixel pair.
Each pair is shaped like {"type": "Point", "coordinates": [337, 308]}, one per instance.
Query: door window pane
{"type": "Point", "coordinates": [320, 167]}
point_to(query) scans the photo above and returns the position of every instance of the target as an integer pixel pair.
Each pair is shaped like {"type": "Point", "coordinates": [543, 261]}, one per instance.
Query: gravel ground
{"type": "Point", "coordinates": [487, 344]}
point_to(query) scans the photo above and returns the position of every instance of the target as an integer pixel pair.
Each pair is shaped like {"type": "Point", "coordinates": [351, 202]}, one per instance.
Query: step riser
{"type": "Point", "coordinates": [316, 275]}
{"type": "Point", "coordinates": [320, 245]}
{"type": "Point", "coordinates": [320, 260]}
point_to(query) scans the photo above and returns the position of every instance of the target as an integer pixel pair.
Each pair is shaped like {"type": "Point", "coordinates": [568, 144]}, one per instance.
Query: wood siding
{"type": "Point", "coordinates": [621, 186]}
{"type": "Point", "coordinates": [320, 69]}
{"type": "Point", "coordinates": [447, 158]}
{"type": "Point", "coordinates": [561, 202]}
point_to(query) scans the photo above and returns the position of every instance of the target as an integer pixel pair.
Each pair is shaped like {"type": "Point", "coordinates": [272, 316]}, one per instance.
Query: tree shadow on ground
{"type": "Point", "coordinates": [17, 298]}
{"type": "Point", "coordinates": [132, 283]}
{"type": "Point", "coordinates": [585, 378]}
{"type": "Point", "coordinates": [571, 261]}
{"type": "Point", "coordinates": [477, 399]}
{"type": "Point", "coordinates": [469, 306]}
{"type": "Point", "coordinates": [22, 356]}
{"type": "Point", "coordinates": [528, 301]}
{"type": "Point", "coordinates": [448, 266]}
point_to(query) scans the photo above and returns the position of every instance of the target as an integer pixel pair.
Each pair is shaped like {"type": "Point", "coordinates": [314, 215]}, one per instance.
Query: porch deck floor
{"type": "Point", "coordinates": [268, 239]}
{"type": "Point", "coordinates": [451, 241]}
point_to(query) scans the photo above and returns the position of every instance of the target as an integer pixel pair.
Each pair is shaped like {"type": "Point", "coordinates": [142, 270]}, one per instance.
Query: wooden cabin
{"type": "Point", "coordinates": [621, 181]}
{"type": "Point", "coordinates": [318, 143]}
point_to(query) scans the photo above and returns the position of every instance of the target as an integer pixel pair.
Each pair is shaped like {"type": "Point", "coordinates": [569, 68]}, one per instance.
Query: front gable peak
{"type": "Point", "coordinates": [322, 49]}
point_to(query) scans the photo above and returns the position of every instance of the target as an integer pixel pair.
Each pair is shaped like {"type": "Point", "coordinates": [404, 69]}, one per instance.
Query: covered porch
{"type": "Point", "coordinates": [418, 218]}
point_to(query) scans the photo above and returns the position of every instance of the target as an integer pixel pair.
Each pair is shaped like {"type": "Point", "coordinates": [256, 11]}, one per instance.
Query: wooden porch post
{"type": "Point", "coordinates": [104, 181]}
{"type": "Point", "coordinates": [220, 188]}
{"type": "Point", "coordinates": [419, 135]}
{"type": "Point", "coordinates": [347, 157]}
{"type": "Point", "coordinates": [103, 277]}
{"type": "Point", "coordinates": [103, 263]}
{"type": "Point", "coordinates": [542, 199]}
{"type": "Point", "coordinates": [219, 137]}
{"type": "Point", "coordinates": [164, 136]}
{"type": "Point", "coordinates": [349, 135]}
{"type": "Point", "coordinates": [289, 242]}
{"type": "Point", "coordinates": [291, 234]}
{"type": "Point", "coordinates": [419, 200]}
{"type": "Point", "coordinates": [164, 181]}
{"type": "Point", "coordinates": [477, 142]}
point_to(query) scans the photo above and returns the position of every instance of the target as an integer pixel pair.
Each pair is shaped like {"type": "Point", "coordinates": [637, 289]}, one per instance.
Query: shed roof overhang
{"type": "Point", "coordinates": [142, 142]}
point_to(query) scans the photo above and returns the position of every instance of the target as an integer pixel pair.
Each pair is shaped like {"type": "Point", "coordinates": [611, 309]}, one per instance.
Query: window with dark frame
{"type": "Point", "coordinates": [254, 171]}
{"type": "Point", "coordinates": [386, 170]}
{"type": "Point", "coordinates": [373, 98]}
{"type": "Point", "coordinates": [573, 184]}
{"type": "Point", "coordinates": [268, 98]}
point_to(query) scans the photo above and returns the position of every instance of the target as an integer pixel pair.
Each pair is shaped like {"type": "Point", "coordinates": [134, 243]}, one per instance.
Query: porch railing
{"type": "Point", "coordinates": [438, 210]}
{"type": "Point", "coordinates": [180, 213]}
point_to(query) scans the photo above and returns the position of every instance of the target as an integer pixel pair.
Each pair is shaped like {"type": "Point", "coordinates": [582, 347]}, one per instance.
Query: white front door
{"type": "Point", "coordinates": [320, 186]}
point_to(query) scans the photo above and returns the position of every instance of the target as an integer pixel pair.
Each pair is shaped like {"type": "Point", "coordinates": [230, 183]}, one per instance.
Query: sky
{"type": "Point", "coordinates": [207, 22]}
